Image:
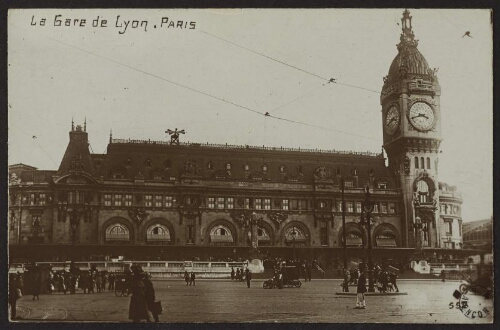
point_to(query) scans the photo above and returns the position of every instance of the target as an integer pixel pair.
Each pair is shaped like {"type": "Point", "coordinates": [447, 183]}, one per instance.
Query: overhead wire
{"type": "Point", "coordinates": [210, 95]}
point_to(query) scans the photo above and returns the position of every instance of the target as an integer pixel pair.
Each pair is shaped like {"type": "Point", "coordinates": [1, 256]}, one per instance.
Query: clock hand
{"type": "Point", "coordinates": [390, 121]}
{"type": "Point", "coordinates": [423, 115]}
{"type": "Point", "coordinates": [419, 115]}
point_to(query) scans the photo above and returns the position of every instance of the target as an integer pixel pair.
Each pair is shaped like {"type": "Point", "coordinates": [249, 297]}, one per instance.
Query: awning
{"type": "Point", "coordinates": [353, 241]}
{"type": "Point", "coordinates": [221, 238]}
{"type": "Point", "coordinates": [297, 239]}
{"type": "Point", "coordinates": [153, 237]}
{"type": "Point", "coordinates": [117, 237]}
{"type": "Point", "coordinates": [387, 241]}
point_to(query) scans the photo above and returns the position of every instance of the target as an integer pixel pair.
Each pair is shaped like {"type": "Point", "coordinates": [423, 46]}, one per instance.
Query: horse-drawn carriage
{"type": "Point", "coordinates": [287, 276]}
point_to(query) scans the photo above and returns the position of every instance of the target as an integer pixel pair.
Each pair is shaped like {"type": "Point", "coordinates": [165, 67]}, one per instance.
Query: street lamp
{"type": "Point", "coordinates": [293, 233]}
{"type": "Point", "coordinates": [417, 225]}
{"type": "Point", "coordinates": [73, 220]}
{"type": "Point", "coordinates": [366, 222]}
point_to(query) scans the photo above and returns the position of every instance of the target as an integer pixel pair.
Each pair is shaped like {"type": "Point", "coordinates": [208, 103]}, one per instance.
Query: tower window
{"type": "Point", "coordinates": [228, 166]}
{"type": "Point", "coordinates": [428, 163]}
{"type": "Point", "coordinates": [247, 167]}
{"type": "Point", "coordinates": [422, 165]}
{"type": "Point", "coordinates": [416, 162]}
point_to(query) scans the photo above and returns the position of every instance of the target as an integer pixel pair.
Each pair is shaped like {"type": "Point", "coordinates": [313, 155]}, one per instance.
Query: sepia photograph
{"type": "Point", "coordinates": [250, 166]}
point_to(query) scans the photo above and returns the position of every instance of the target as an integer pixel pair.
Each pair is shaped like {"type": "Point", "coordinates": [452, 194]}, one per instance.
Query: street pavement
{"type": "Point", "coordinates": [428, 301]}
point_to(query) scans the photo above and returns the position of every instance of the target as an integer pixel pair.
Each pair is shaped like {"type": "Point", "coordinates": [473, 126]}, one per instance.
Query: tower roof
{"type": "Point", "coordinates": [408, 60]}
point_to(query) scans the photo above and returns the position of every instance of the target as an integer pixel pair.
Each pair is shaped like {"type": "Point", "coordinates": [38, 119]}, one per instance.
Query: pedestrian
{"type": "Point", "coordinates": [393, 278]}
{"type": "Point", "coordinates": [111, 286]}
{"type": "Point", "coordinates": [308, 270]}
{"type": "Point", "coordinates": [193, 277]}
{"type": "Point", "coordinates": [232, 273]}
{"type": "Point", "coordinates": [186, 278]}
{"type": "Point", "coordinates": [443, 276]}
{"type": "Point", "coordinates": [14, 294]}
{"type": "Point", "coordinates": [149, 291]}
{"type": "Point", "coordinates": [360, 300]}
{"type": "Point", "coordinates": [36, 287]}
{"type": "Point", "coordinates": [347, 278]}
{"type": "Point", "coordinates": [138, 309]}
{"type": "Point", "coordinates": [248, 277]}
{"type": "Point", "coordinates": [237, 273]}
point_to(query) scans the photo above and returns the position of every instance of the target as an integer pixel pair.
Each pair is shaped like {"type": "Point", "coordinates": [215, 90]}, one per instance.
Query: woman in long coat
{"type": "Point", "coordinates": [138, 309]}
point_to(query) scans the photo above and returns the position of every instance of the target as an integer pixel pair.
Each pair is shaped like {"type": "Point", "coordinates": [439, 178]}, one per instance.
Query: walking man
{"type": "Point", "coordinates": [232, 273]}
{"type": "Point", "coordinates": [360, 300]}
{"type": "Point", "coordinates": [443, 276]}
{"type": "Point", "coordinates": [193, 277]}
{"type": "Point", "coordinates": [186, 277]}
{"type": "Point", "coordinates": [14, 294]}
{"type": "Point", "coordinates": [248, 277]}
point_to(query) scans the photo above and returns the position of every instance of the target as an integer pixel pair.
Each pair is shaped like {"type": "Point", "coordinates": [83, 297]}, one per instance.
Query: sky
{"type": "Point", "coordinates": [217, 80]}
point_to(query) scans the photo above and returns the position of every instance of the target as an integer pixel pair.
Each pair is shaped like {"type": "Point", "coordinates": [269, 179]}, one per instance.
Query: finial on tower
{"type": "Point", "coordinates": [85, 124]}
{"type": "Point", "coordinates": [407, 36]}
{"type": "Point", "coordinates": [72, 124]}
{"type": "Point", "coordinates": [110, 135]}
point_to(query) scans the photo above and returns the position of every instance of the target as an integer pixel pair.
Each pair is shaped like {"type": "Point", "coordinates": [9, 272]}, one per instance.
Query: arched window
{"type": "Point", "coordinates": [228, 166]}
{"type": "Point", "coordinates": [295, 236]}
{"type": "Point", "coordinates": [422, 164]}
{"type": "Point", "coordinates": [385, 238]}
{"type": "Point", "coordinates": [158, 234]}
{"type": "Point", "coordinates": [416, 162]}
{"type": "Point", "coordinates": [221, 235]}
{"type": "Point", "coordinates": [210, 165]}
{"type": "Point", "coordinates": [428, 163]}
{"type": "Point", "coordinates": [117, 233]}
{"type": "Point", "coordinates": [247, 167]}
{"type": "Point", "coordinates": [353, 236]}
{"type": "Point", "coordinates": [264, 168]}
{"type": "Point", "coordinates": [282, 168]}
{"type": "Point", "coordinates": [262, 235]}
{"type": "Point", "coordinates": [423, 192]}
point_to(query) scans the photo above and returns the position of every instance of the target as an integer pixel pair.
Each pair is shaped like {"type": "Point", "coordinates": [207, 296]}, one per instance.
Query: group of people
{"type": "Point", "coordinates": [241, 275]}
{"type": "Point", "coordinates": [190, 279]}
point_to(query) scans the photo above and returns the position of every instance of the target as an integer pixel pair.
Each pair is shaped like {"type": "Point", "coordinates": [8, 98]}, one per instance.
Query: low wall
{"type": "Point", "coordinates": [159, 269]}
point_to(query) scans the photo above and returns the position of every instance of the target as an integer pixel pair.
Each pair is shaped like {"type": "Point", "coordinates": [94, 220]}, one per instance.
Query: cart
{"type": "Point", "coordinates": [289, 277]}
{"type": "Point", "coordinates": [122, 285]}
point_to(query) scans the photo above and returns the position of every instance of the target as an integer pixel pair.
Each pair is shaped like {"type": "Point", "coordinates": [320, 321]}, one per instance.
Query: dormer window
{"type": "Point", "coordinates": [282, 169]}
{"type": "Point", "coordinates": [129, 161]}
{"type": "Point", "coordinates": [228, 166]}
{"type": "Point", "coordinates": [247, 167]}
{"type": "Point", "coordinates": [210, 165]}
{"type": "Point", "coordinates": [264, 168]}
{"type": "Point", "coordinates": [148, 162]}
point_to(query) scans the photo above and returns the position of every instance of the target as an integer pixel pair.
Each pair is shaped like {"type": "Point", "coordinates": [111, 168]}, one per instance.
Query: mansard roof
{"type": "Point", "coordinates": [160, 160]}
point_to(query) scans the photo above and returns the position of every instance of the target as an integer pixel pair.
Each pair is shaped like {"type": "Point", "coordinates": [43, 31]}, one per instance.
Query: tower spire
{"type": "Point", "coordinates": [110, 135]}
{"type": "Point", "coordinates": [85, 124]}
{"type": "Point", "coordinates": [72, 124]}
{"type": "Point", "coordinates": [407, 36]}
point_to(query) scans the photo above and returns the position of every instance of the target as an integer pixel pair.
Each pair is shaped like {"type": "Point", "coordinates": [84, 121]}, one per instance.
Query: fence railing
{"type": "Point", "coordinates": [246, 147]}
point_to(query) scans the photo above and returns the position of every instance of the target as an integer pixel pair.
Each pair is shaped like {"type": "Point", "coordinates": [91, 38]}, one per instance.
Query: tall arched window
{"type": "Point", "coordinates": [428, 163]}
{"type": "Point", "coordinates": [117, 233]}
{"type": "Point", "coordinates": [422, 164]}
{"type": "Point", "coordinates": [423, 192]}
{"type": "Point", "coordinates": [416, 162]}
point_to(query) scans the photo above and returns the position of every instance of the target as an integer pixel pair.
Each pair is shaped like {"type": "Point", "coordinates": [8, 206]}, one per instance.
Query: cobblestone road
{"type": "Point", "coordinates": [226, 301]}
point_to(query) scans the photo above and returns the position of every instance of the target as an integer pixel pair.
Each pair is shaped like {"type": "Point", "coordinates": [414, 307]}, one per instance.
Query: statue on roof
{"type": "Point", "coordinates": [174, 135]}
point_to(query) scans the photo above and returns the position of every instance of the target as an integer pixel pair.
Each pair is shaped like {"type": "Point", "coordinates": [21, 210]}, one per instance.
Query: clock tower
{"type": "Point", "coordinates": [411, 119]}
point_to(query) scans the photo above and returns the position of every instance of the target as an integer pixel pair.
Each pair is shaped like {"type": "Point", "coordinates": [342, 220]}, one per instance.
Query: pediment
{"type": "Point", "coordinates": [76, 179]}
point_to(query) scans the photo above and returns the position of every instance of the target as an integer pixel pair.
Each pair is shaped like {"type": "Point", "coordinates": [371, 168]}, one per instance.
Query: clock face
{"type": "Point", "coordinates": [392, 120]}
{"type": "Point", "coordinates": [421, 116]}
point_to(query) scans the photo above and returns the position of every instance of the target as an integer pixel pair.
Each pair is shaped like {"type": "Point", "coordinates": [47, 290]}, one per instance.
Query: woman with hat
{"type": "Point", "coordinates": [138, 308]}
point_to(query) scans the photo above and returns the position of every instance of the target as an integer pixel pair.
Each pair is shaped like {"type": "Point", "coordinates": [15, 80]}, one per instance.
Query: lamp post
{"type": "Point", "coordinates": [293, 233]}
{"type": "Point", "coordinates": [343, 224]}
{"type": "Point", "coordinates": [366, 222]}
{"type": "Point", "coordinates": [73, 220]}
{"type": "Point", "coordinates": [417, 225]}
